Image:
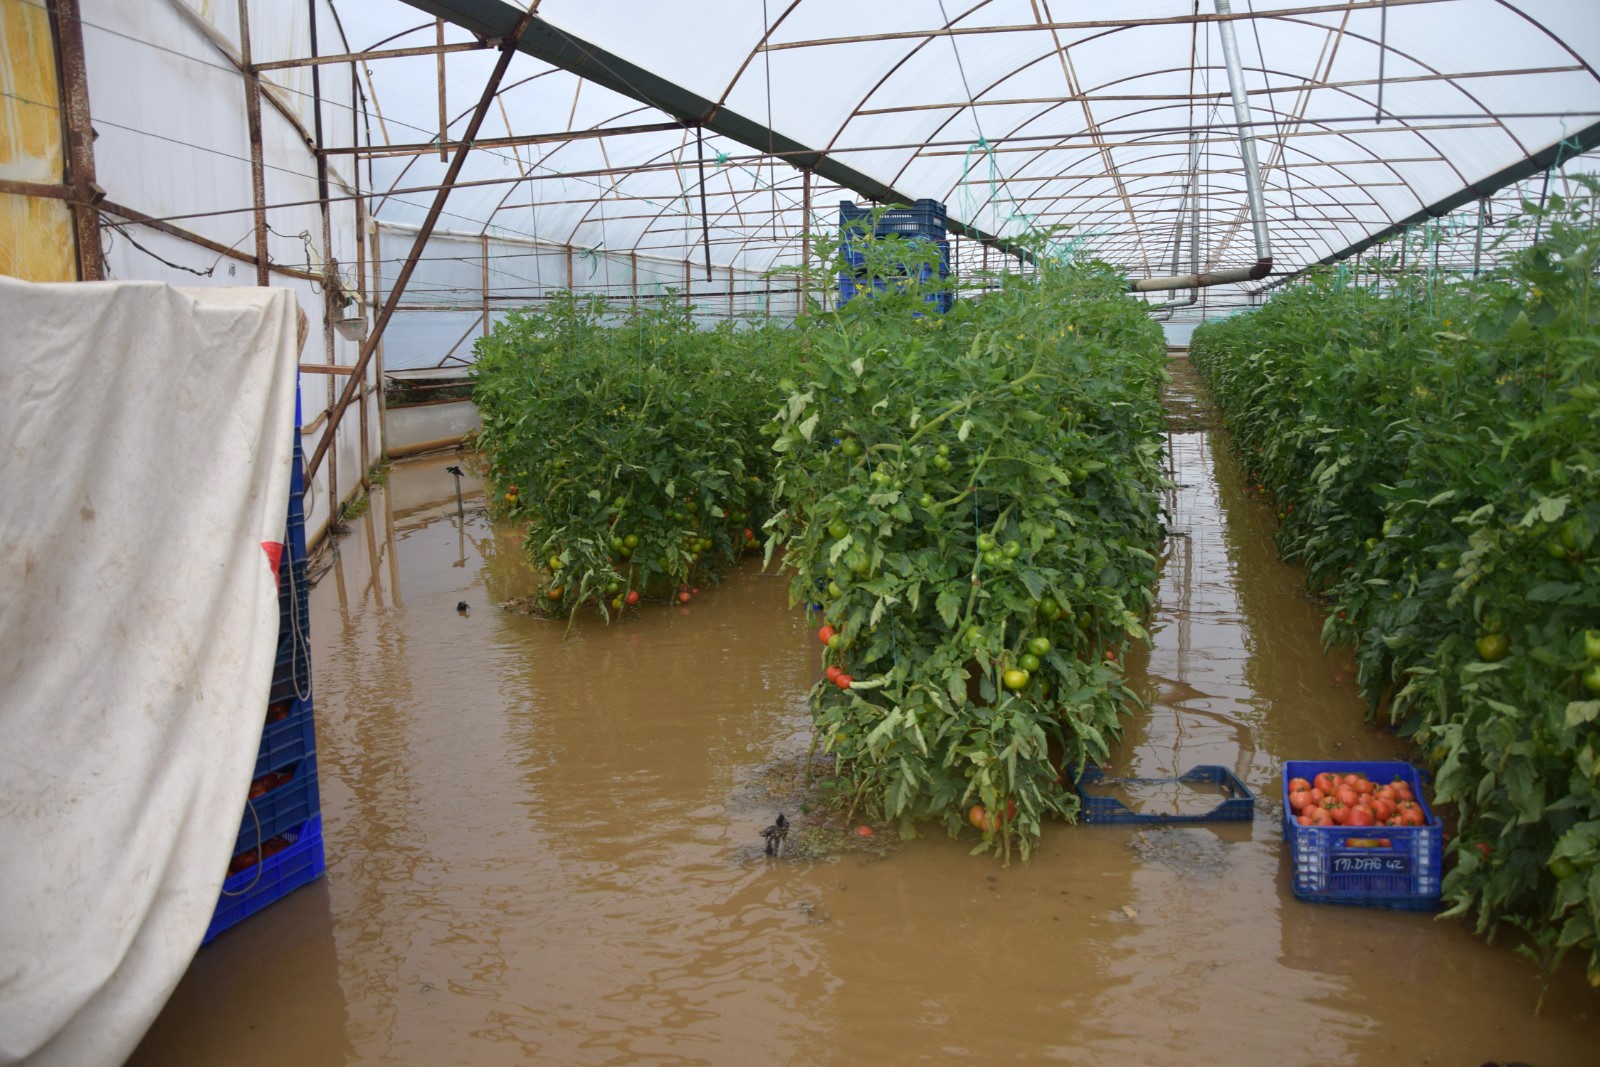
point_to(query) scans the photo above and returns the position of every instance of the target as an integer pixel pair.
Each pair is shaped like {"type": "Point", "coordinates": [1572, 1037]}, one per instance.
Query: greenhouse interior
{"type": "Point", "coordinates": [800, 532]}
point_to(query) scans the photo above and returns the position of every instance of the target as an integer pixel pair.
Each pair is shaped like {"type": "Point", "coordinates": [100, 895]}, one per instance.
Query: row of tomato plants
{"type": "Point", "coordinates": [630, 444]}
{"type": "Point", "coordinates": [1433, 449]}
{"type": "Point", "coordinates": [968, 502]}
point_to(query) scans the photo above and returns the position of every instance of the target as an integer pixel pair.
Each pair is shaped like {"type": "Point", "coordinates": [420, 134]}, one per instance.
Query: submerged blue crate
{"type": "Point", "coordinates": [1368, 866]}
{"type": "Point", "coordinates": [252, 889]}
{"type": "Point", "coordinates": [288, 736]}
{"type": "Point", "coordinates": [281, 808]}
{"type": "Point", "coordinates": [1237, 806]}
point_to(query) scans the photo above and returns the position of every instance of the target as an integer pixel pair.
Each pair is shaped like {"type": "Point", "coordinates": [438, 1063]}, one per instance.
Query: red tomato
{"type": "Point", "coordinates": [1304, 820]}
{"type": "Point", "coordinates": [1325, 782]}
{"type": "Point", "coordinates": [832, 674]}
{"type": "Point", "coordinates": [1365, 788]}
{"type": "Point", "coordinates": [1317, 796]}
{"type": "Point", "coordinates": [633, 596]}
{"type": "Point", "coordinates": [844, 681]}
{"type": "Point", "coordinates": [1338, 813]}
{"type": "Point", "coordinates": [1299, 799]}
{"type": "Point", "coordinates": [1483, 849]}
{"type": "Point", "coordinates": [1382, 809]}
{"type": "Point", "coordinates": [1347, 796]}
{"type": "Point", "coordinates": [978, 817]}
{"type": "Point", "coordinates": [684, 597]}
{"type": "Point", "coordinates": [1360, 817]}
{"type": "Point", "coordinates": [825, 633]}
{"type": "Point", "coordinates": [1413, 817]}
{"type": "Point", "coordinates": [863, 831]}
{"type": "Point", "coordinates": [1387, 793]}
{"type": "Point", "coordinates": [1401, 789]}
{"type": "Point", "coordinates": [1320, 817]}
{"type": "Point", "coordinates": [1299, 783]}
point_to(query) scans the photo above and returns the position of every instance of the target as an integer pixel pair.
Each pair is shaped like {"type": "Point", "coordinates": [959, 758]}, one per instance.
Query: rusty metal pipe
{"type": "Point", "coordinates": [1203, 281]}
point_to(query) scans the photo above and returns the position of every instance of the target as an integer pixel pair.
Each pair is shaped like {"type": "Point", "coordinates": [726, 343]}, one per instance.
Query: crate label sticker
{"type": "Point", "coordinates": [1371, 864]}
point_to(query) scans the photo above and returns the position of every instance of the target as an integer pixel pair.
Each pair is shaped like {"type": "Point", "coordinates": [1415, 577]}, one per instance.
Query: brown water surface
{"type": "Point", "coordinates": [544, 848]}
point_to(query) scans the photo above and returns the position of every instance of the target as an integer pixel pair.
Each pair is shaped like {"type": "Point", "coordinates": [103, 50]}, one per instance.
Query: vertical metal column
{"type": "Point", "coordinates": [485, 285]}
{"type": "Point", "coordinates": [86, 193]}
{"type": "Point", "coordinates": [805, 242]}
{"type": "Point", "coordinates": [258, 174]}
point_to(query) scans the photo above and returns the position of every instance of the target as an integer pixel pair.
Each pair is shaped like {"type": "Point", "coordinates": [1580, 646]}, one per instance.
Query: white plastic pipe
{"type": "Point", "coordinates": [1247, 138]}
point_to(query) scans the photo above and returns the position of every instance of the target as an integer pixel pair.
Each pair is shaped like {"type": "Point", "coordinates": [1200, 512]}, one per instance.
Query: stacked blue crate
{"type": "Point", "coordinates": [924, 220]}
{"type": "Point", "coordinates": [279, 844]}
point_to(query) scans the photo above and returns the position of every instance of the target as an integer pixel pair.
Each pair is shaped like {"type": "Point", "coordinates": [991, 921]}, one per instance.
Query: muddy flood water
{"type": "Point", "coordinates": [544, 848]}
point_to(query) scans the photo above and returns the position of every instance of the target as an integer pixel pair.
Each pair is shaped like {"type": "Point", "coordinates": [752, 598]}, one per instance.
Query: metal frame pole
{"type": "Point", "coordinates": [508, 48]}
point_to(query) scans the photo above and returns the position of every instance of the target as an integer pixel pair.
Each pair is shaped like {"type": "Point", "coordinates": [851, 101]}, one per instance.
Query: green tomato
{"type": "Point", "coordinates": [858, 563]}
{"type": "Point", "coordinates": [617, 544]}
{"type": "Point", "coordinates": [1493, 647]}
{"type": "Point", "coordinates": [1591, 679]}
{"type": "Point", "coordinates": [1562, 867]}
{"type": "Point", "coordinates": [851, 447]}
{"type": "Point", "coordinates": [941, 464]}
{"type": "Point", "coordinates": [834, 590]}
{"type": "Point", "coordinates": [1013, 549]}
{"type": "Point", "coordinates": [837, 529]}
{"type": "Point", "coordinates": [994, 557]}
{"type": "Point", "coordinates": [985, 542]}
{"type": "Point", "coordinates": [944, 450]}
{"type": "Point", "coordinates": [881, 479]}
{"type": "Point", "coordinates": [1038, 645]}
{"type": "Point", "coordinates": [631, 541]}
{"type": "Point", "coordinates": [927, 501]}
{"type": "Point", "coordinates": [1015, 679]}
{"type": "Point", "coordinates": [1591, 644]}
{"type": "Point", "coordinates": [1556, 549]}
{"type": "Point", "coordinates": [836, 642]}
{"type": "Point", "coordinates": [1048, 607]}
{"type": "Point", "coordinates": [1569, 535]}
{"type": "Point", "coordinates": [1028, 662]}
{"type": "Point", "coordinates": [613, 588]}
{"type": "Point", "coordinates": [974, 635]}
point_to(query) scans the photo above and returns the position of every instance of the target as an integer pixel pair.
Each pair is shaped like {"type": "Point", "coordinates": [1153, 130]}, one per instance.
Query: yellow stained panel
{"type": "Point", "coordinates": [36, 239]}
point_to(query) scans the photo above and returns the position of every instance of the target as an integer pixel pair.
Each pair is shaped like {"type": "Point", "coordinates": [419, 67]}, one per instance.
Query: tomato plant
{"type": "Point", "coordinates": [634, 440]}
{"type": "Point", "coordinates": [959, 492]}
{"type": "Point", "coordinates": [1438, 439]}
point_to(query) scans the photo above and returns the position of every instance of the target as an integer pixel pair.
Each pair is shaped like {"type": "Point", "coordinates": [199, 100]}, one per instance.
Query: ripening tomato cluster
{"type": "Point", "coordinates": [833, 640]}
{"type": "Point", "coordinates": [1354, 800]}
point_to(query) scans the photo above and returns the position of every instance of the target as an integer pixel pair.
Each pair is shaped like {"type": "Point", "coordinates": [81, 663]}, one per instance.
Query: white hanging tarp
{"type": "Point", "coordinates": [145, 478]}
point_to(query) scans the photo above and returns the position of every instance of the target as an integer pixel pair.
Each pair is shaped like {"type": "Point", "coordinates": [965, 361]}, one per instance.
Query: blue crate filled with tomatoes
{"type": "Point", "coordinates": [1361, 833]}
{"type": "Point", "coordinates": [267, 873]}
{"type": "Point", "coordinates": [279, 843]}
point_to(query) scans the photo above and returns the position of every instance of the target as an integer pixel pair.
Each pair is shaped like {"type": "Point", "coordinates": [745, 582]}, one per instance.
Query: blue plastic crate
{"type": "Point", "coordinates": [1238, 806]}
{"type": "Point", "coordinates": [289, 736]}
{"type": "Point", "coordinates": [291, 671]}
{"type": "Point", "coordinates": [280, 809]}
{"type": "Point", "coordinates": [272, 879]}
{"type": "Point", "coordinates": [1328, 868]}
